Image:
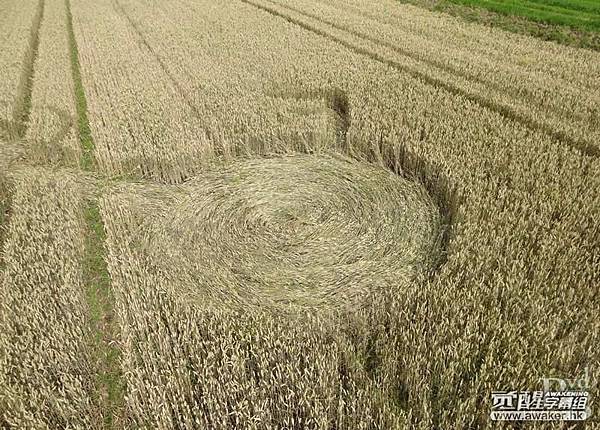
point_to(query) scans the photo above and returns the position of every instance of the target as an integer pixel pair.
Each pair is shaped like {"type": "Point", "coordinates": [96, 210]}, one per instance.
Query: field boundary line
{"type": "Point", "coordinates": [86, 141]}
{"type": "Point", "coordinates": [405, 52]}
{"type": "Point", "coordinates": [16, 127]}
{"type": "Point", "coordinates": [110, 386]}
{"type": "Point", "coordinates": [584, 148]}
{"type": "Point", "coordinates": [100, 299]}
{"type": "Point", "coordinates": [182, 93]}
{"type": "Point", "coordinates": [357, 11]}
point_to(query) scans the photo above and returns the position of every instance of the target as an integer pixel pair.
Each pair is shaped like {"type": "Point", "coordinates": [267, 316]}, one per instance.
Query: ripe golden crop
{"type": "Point", "coordinates": [308, 215]}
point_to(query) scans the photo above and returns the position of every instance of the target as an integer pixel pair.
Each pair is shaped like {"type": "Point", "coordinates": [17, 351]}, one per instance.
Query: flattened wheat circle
{"type": "Point", "coordinates": [300, 230]}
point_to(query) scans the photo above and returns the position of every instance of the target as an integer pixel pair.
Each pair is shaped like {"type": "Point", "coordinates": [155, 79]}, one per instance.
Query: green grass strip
{"type": "Point", "coordinates": [581, 5]}
{"type": "Point", "coordinates": [110, 384]}
{"type": "Point", "coordinates": [538, 7]}
{"type": "Point", "coordinates": [539, 13]}
{"type": "Point", "coordinates": [556, 20]}
{"type": "Point", "coordinates": [110, 388]}
{"type": "Point", "coordinates": [87, 161]}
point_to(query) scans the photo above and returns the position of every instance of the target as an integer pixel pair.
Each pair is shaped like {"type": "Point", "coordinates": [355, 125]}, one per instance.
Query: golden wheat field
{"type": "Point", "coordinates": [277, 214]}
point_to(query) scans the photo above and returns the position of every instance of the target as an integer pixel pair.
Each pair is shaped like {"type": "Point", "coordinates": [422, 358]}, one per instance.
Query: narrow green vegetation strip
{"type": "Point", "coordinates": [85, 135]}
{"type": "Point", "coordinates": [101, 302]}
{"type": "Point", "coordinates": [110, 386]}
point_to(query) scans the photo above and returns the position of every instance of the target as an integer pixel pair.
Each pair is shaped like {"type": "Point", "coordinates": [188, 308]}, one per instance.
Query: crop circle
{"type": "Point", "coordinates": [301, 230]}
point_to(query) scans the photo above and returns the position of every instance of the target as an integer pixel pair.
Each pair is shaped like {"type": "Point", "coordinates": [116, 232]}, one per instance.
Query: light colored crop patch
{"type": "Point", "coordinates": [317, 231]}
{"type": "Point", "coordinates": [46, 373]}
{"type": "Point", "coordinates": [311, 215]}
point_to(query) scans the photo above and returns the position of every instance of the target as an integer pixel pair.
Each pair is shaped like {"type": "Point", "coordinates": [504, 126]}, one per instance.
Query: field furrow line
{"type": "Point", "coordinates": [51, 136]}
{"type": "Point", "coordinates": [159, 60]}
{"type": "Point", "coordinates": [404, 52]}
{"type": "Point", "coordinates": [105, 332]}
{"type": "Point", "coordinates": [110, 389]}
{"type": "Point", "coordinates": [518, 56]}
{"type": "Point", "coordinates": [582, 140]}
{"type": "Point", "coordinates": [570, 98]}
{"type": "Point", "coordinates": [87, 160]}
{"type": "Point", "coordinates": [17, 34]}
{"type": "Point", "coordinates": [22, 107]}
{"type": "Point", "coordinates": [19, 39]}
{"type": "Point", "coordinates": [126, 93]}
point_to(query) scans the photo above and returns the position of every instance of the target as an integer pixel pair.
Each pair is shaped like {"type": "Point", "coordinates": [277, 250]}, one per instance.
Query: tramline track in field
{"type": "Point", "coordinates": [443, 78]}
